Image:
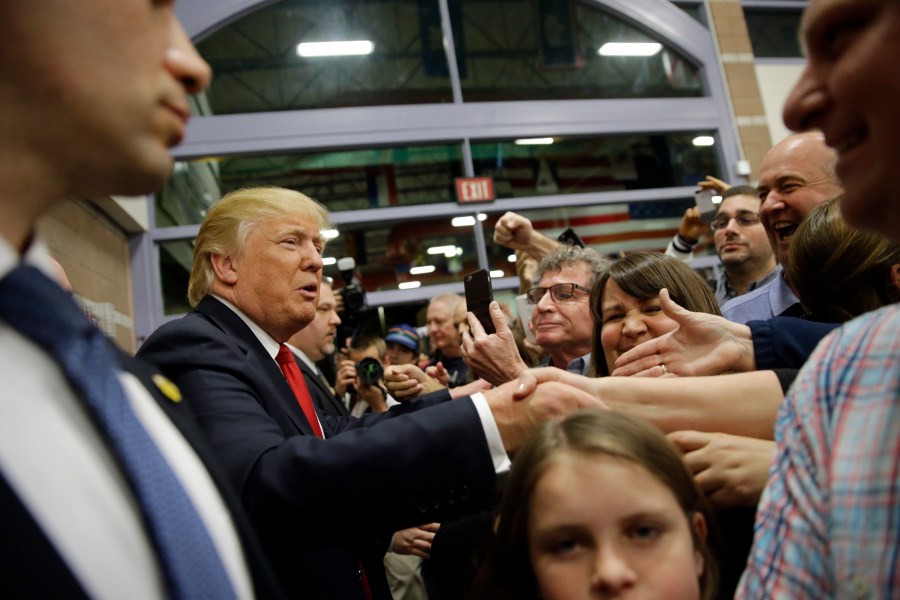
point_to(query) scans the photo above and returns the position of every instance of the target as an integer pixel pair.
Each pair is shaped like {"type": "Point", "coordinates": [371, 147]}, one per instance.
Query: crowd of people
{"type": "Point", "coordinates": [659, 437]}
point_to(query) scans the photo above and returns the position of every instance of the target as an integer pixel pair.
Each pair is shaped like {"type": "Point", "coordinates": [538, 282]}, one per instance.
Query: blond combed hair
{"type": "Point", "coordinates": [231, 219]}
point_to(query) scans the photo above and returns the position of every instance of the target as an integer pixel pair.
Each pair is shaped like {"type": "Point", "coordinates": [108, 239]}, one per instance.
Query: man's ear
{"type": "Point", "coordinates": [224, 267]}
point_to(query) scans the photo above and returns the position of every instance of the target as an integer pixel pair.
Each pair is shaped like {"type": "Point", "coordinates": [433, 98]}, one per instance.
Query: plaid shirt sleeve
{"type": "Point", "coordinates": [828, 523]}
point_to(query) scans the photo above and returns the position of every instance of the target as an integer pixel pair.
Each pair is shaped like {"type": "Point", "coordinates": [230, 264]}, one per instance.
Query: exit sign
{"type": "Point", "coordinates": [474, 189]}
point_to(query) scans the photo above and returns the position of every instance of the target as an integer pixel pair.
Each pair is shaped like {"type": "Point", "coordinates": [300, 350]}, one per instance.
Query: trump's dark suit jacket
{"type": "Point", "coordinates": [30, 566]}
{"type": "Point", "coordinates": [417, 463]}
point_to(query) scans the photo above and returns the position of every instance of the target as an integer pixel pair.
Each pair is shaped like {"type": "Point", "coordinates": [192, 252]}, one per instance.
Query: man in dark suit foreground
{"type": "Point", "coordinates": [255, 281]}
{"type": "Point", "coordinates": [92, 97]}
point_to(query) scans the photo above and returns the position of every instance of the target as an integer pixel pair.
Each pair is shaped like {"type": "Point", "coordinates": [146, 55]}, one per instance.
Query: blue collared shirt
{"type": "Point", "coordinates": [724, 291]}
{"type": "Point", "coordinates": [579, 366]}
{"type": "Point", "coordinates": [763, 303]}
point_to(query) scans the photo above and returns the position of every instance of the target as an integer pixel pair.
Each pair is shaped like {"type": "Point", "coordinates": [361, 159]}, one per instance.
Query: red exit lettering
{"type": "Point", "coordinates": [474, 189]}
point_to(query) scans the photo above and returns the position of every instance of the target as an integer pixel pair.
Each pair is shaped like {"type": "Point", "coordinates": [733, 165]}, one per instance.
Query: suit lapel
{"type": "Point", "coordinates": [321, 392]}
{"type": "Point", "coordinates": [281, 397]}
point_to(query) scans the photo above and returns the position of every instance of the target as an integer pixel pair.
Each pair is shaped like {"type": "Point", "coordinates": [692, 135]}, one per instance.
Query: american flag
{"type": "Point", "coordinates": [614, 228]}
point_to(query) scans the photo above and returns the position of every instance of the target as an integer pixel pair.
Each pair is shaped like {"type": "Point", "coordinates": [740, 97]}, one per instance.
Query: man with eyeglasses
{"type": "Point", "coordinates": [740, 240]}
{"type": "Point", "coordinates": [561, 319]}
{"type": "Point", "coordinates": [741, 244]}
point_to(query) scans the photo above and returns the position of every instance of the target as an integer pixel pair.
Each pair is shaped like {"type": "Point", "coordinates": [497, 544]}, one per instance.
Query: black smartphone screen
{"type": "Point", "coordinates": [479, 296]}
{"type": "Point", "coordinates": [570, 237]}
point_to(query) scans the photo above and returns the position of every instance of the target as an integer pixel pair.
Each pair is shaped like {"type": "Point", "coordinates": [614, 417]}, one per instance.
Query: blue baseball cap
{"type": "Point", "coordinates": [404, 335]}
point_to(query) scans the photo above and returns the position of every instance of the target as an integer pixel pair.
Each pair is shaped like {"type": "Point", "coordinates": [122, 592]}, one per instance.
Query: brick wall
{"type": "Point", "coordinates": [740, 75]}
{"type": "Point", "coordinates": [94, 253]}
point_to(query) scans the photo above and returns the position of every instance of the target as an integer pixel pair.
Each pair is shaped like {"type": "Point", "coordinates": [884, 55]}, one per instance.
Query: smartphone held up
{"type": "Point", "coordinates": [479, 296]}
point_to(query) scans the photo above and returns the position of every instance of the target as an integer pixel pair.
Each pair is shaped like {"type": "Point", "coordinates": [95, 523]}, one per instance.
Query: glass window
{"type": "Point", "coordinates": [774, 32]}
{"type": "Point", "coordinates": [188, 193]}
{"type": "Point", "coordinates": [593, 164]}
{"type": "Point", "coordinates": [175, 270]}
{"type": "Point", "coordinates": [551, 49]}
{"type": "Point", "coordinates": [408, 254]}
{"type": "Point", "coordinates": [694, 10]}
{"type": "Point", "coordinates": [341, 180]}
{"type": "Point", "coordinates": [257, 65]}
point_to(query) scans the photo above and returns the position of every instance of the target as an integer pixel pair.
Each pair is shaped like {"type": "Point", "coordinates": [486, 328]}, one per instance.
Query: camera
{"type": "Point", "coordinates": [353, 296]}
{"type": "Point", "coordinates": [354, 299]}
{"type": "Point", "coordinates": [369, 371]}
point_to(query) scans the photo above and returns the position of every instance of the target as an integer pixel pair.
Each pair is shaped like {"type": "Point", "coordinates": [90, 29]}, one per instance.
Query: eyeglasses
{"type": "Point", "coordinates": [744, 218]}
{"type": "Point", "coordinates": [561, 292]}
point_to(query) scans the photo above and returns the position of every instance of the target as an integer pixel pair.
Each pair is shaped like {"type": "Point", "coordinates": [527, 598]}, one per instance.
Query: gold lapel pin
{"type": "Point", "coordinates": [169, 389]}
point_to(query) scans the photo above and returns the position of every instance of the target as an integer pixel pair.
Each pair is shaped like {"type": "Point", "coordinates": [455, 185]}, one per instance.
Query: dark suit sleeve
{"type": "Point", "coordinates": [335, 425]}
{"type": "Point", "coordinates": [786, 342]}
{"type": "Point", "coordinates": [407, 467]}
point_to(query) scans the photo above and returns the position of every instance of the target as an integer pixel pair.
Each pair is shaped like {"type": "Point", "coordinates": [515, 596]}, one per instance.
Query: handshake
{"type": "Point", "coordinates": [518, 406]}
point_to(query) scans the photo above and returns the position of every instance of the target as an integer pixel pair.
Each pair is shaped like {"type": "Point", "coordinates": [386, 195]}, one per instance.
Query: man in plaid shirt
{"type": "Point", "coordinates": [829, 520]}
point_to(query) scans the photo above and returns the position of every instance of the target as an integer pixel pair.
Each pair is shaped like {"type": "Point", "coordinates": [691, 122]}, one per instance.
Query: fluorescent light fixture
{"type": "Point", "coordinates": [409, 285]}
{"type": "Point", "coordinates": [329, 261]}
{"type": "Point", "coordinates": [717, 199]}
{"type": "Point", "coordinates": [629, 49]}
{"type": "Point", "coordinates": [346, 48]}
{"type": "Point", "coordinates": [511, 258]}
{"type": "Point", "coordinates": [463, 221]}
{"type": "Point", "coordinates": [458, 252]}
{"type": "Point", "coordinates": [442, 249]}
{"type": "Point", "coordinates": [467, 221]}
{"type": "Point", "coordinates": [422, 270]}
{"type": "Point", "coordinates": [496, 274]}
{"type": "Point", "coordinates": [703, 140]}
{"type": "Point", "coordinates": [329, 234]}
{"type": "Point", "coordinates": [544, 141]}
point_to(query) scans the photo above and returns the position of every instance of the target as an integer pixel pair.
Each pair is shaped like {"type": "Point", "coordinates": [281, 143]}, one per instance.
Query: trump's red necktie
{"type": "Point", "coordinates": [295, 379]}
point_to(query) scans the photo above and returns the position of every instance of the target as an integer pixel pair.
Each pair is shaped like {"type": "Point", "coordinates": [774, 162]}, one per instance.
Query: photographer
{"type": "Point", "coordinates": [360, 376]}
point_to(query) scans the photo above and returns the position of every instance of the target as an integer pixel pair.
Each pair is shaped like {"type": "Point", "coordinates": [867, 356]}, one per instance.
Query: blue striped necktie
{"type": "Point", "coordinates": [40, 310]}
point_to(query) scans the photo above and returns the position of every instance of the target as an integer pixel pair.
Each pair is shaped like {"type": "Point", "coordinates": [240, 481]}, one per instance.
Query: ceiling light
{"type": "Point", "coordinates": [511, 258]}
{"type": "Point", "coordinates": [442, 249]}
{"type": "Point", "coordinates": [717, 199]}
{"type": "Point", "coordinates": [544, 141]}
{"type": "Point", "coordinates": [497, 274]}
{"type": "Point", "coordinates": [629, 49]}
{"type": "Point", "coordinates": [409, 285]}
{"type": "Point", "coordinates": [703, 140]}
{"type": "Point", "coordinates": [422, 270]}
{"type": "Point", "coordinates": [329, 261]}
{"type": "Point", "coordinates": [467, 221]}
{"type": "Point", "coordinates": [329, 234]}
{"type": "Point", "coordinates": [347, 48]}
